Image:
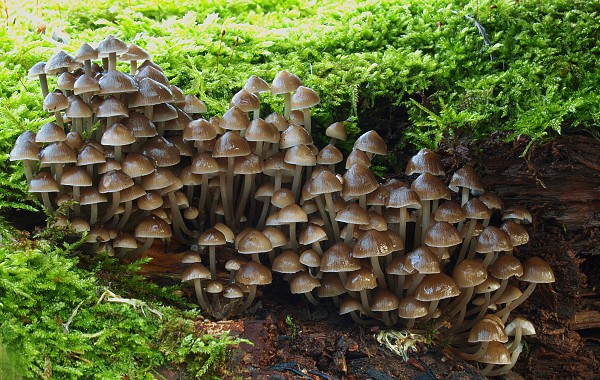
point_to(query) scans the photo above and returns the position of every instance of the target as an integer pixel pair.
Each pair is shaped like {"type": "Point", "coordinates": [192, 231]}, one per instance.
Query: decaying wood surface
{"type": "Point", "coordinates": [560, 183]}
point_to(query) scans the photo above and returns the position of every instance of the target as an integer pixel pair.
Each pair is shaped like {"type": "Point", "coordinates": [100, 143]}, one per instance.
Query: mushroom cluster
{"type": "Point", "coordinates": [134, 163]}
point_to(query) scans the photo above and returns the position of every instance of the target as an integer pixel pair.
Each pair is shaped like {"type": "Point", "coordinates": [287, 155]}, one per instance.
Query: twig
{"type": "Point", "coordinates": [112, 297]}
{"type": "Point", "coordinates": [68, 323]}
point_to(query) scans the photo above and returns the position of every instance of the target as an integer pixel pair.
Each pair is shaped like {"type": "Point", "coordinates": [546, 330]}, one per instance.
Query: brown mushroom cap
{"type": "Point", "coordinates": [303, 282]}
{"type": "Point", "coordinates": [361, 279]}
{"type": "Point", "coordinates": [384, 300]}
{"type": "Point", "coordinates": [487, 330]}
{"type": "Point", "coordinates": [436, 287]}
{"type": "Point", "coordinates": [505, 267]}
{"type": "Point", "coordinates": [493, 239]}
{"type": "Point", "coordinates": [338, 259]}
{"type": "Point", "coordinates": [371, 142]}
{"type": "Point", "coordinates": [469, 273]}
{"type": "Point", "coordinates": [195, 271]}
{"type": "Point", "coordinates": [253, 273]}
{"type": "Point", "coordinates": [153, 227]}
{"type": "Point", "coordinates": [410, 307]}
{"type": "Point", "coordinates": [425, 161]}
{"type": "Point", "coordinates": [467, 177]}
{"type": "Point", "coordinates": [536, 270]}
{"type": "Point", "coordinates": [358, 180]}
{"type": "Point", "coordinates": [442, 234]}
{"type": "Point", "coordinates": [285, 82]}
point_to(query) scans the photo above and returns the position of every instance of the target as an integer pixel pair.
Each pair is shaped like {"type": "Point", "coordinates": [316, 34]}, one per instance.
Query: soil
{"type": "Point", "coordinates": [559, 182]}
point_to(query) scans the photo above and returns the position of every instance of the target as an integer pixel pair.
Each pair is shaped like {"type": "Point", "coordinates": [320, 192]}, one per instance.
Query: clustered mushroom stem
{"type": "Point", "coordinates": [498, 293]}
{"type": "Point", "coordinates": [296, 182]}
{"type": "Point", "coordinates": [325, 218]}
{"type": "Point", "coordinates": [425, 219]}
{"type": "Point", "coordinates": [467, 240]}
{"type": "Point", "coordinates": [212, 260]}
{"type": "Point", "coordinates": [133, 67]}
{"type": "Point", "coordinates": [116, 199]}
{"type": "Point", "coordinates": [112, 61]}
{"type": "Point", "coordinates": [203, 194]}
{"type": "Point", "coordinates": [464, 195]}
{"type": "Point", "coordinates": [287, 107]}
{"type": "Point", "coordinates": [47, 203]}
{"type": "Point", "coordinates": [125, 216]}
{"type": "Point", "coordinates": [248, 301]}
{"type": "Point", "coordinates": [200, 294]}
{"type": "Point", "coordinates": [307, 121]}
{"type": "Point", "coordinates": [93, 213]}
{"type": "Point", "coordinates": [507, 309]}
{"type": "Point", "coordinates": [178, 222]}
{"type": "Point", "coordinates": [349, 233]}
{"type": "Point", "coordinates": [378, 271]}
{"type": "Point", "coordinates": [28, 166]}
{"type": "Point", "coordinates": [59, 119]}
{"type": "Point", "coordinates": [223, 192]}
{"type": "Point", "coordinates": [331, 210]}
{"type": "Point", "coordinates": [311, 298]}
{"type": "Point", "coordinates": [460, 308]}
{"type": "Point", "coordinates": [293, 240]}
{"type": "Point", "coordinates": [44, 85]}
{"type": "Point", "coordinates": [147, 243]}
{"type": "Point", "coordinates": [229, 189]}
{"type": "Point", "coordinates": [478, 354]}
{"type": "Point", "coordinates": [248, 179]}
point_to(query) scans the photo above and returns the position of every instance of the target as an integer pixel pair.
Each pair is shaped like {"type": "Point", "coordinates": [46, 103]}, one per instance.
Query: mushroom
{"type": "Point", "coordinates": [252, 274]}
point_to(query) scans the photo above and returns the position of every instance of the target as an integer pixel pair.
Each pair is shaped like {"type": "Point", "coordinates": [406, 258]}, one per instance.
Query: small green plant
{"type": "Point", "coordinates": [289, 322]}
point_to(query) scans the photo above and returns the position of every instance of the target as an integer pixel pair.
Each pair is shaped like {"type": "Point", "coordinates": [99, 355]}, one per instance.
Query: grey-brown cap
{"type": "Point", "coordinates": [436, 287]}
{"type": "Point", "coordinates": [425, 161]}
{"type": "Point", "coordinates": [253, 273]}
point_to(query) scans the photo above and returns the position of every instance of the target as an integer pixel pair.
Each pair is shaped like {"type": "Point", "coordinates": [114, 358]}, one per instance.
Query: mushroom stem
{"type": "Point", "coordinates": [461, 308]}
{"type": "Point", "coordinates": [44, 85]}
{"type": "Point", "coordinates": [125, 216]}
{"type": "Point", "coordinates": [147, 244]}
{"type": "Point", "coordinates": [200, 295]}
{"type": "Point", "coordinates": [296, 182]}
{"type": "Point", "coordinates": [293, 237]}
{"type": "Point", "coordinates": [203, 194]}
{"type": "Point", "coordinates": [287, 99]}
{"type": "Point", "coordinates": [331, 210]}
{"type": "Point", "coordinates": [93, 213]}
{"type": "Point", "coordinates": [248, 179]}
{"type": "Point", "coordinates": [47, 203]}
{"type": "Point", "coordinates": [212, 259]}
{"type": "Point", "coordinates": [478, 354]}
{"type": "Point", "coordinates": [229, 210]}
{"type": "Point", "coordinates": [364, 300]}
{"type": "Point", "coordinates": [133, 67]}
{"type": "Point", "coordinates": [378, 271]}
{"type": "Point", "coordinates": [112, 61]}
{"type": "Point", "coordinates": [28, 166]}
{"type": "Point", "coordinates": [179, 226]}
{"type": "Point", "coordinates": [323, 213]}
{"type": "Point", "coordinates": [248, 300]}
{"type": "Point", "coordinates": [464, 196]}
{"type": "Point", "coordinates": [467, 240]}
{"type": "Point", "coordinates": [307, 121]}
{"type": "Point", "coordinates": [223, 191]}
{"type": "Point", "coordinates": [116, 199]}
{"type": "Point", "coordinates": [311, 298]}
{"type": "Point", "coordinates": [425, 219]}
{"type": "Point", "coordinates": [349, 232]}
